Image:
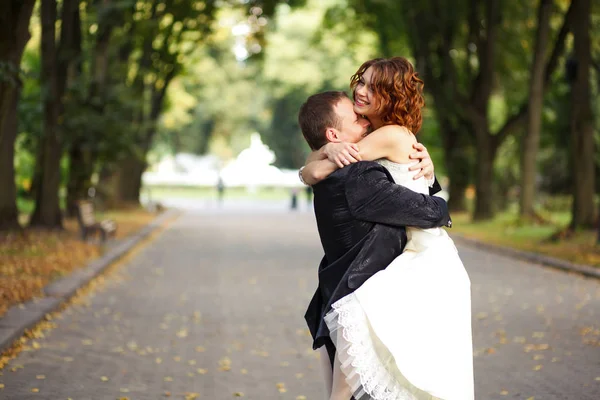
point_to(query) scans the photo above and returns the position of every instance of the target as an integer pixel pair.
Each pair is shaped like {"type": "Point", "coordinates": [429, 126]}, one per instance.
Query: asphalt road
{"type": "Point", "coordinates": [213, 309]}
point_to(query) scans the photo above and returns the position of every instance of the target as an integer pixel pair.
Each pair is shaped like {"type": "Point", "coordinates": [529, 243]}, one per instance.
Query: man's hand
{"type": "Point", "coordinates": [425, 165]}
{"type": "Point", "coordinates": [342, 154]}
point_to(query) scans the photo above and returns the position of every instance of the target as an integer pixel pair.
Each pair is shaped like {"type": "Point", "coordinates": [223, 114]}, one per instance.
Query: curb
{"type": "Point", "coordinates": [23, 316]}
{"type": "Point", "coordinates": [536, 258]}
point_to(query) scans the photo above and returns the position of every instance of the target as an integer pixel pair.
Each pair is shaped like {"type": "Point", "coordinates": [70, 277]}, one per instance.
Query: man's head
{"type": "Point", "coordinates": [329, 117]}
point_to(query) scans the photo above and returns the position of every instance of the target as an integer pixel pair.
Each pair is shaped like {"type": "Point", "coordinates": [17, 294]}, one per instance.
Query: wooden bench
{"type": "Point", "coordinates": [89, 225]}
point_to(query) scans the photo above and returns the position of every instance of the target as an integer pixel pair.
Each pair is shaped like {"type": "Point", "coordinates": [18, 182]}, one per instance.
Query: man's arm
{"type": "Point", "coordinates": [435, 187]}
{"type": "Point", "coordinates": [373, 197]}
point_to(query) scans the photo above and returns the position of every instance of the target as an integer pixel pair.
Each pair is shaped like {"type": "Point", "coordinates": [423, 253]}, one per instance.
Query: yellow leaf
{"type": "Point", "coordinates": [35, 390]}
{"type": "Point", "coordinates": [537, 367]}
{"type": "Point", "coordinates": [182, 333]}
{"type": "Point", "coordinates": [504, 392]}
{"type": "Point", "coordinates": [104, 379]}
{"type": "Point", "coordinates": [238, 394]}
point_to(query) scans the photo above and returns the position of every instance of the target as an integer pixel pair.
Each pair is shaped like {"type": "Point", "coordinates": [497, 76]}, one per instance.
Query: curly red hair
{"type": "Point", "coordinates": [399, 90]}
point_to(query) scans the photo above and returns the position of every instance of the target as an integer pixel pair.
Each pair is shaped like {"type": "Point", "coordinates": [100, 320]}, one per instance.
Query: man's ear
{"type": "Point", "coordinates": [332, 135]}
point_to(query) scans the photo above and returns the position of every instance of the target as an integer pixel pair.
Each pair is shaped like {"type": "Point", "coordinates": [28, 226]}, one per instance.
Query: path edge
{"type": "Point", "coordinates": [536, 258]}
{"type": "Point", "coordinates": [21, 317]}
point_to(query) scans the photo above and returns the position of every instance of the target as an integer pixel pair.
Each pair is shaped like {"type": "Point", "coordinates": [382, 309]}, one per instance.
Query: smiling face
{"type": "Point", "coordinates": [365, 101]}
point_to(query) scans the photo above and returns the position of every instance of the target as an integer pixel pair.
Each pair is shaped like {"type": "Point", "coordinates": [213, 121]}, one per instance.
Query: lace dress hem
{"type": "Point", "coordinates": [365, 363]}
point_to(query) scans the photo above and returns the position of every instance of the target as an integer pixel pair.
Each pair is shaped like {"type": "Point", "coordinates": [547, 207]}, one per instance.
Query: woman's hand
{"type": "Point", "coordinates": [425, 164]}
{"type": "Point", "coordinates": [342, 154]}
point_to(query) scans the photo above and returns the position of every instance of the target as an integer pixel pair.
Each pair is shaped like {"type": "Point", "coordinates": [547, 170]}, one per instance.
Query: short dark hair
{"type": "Point", "coordinates": [317, 114]}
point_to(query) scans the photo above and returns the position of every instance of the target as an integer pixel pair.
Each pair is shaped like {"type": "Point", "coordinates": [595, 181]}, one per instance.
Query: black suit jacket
{"type": "Point", "coordinates": [361, 216]}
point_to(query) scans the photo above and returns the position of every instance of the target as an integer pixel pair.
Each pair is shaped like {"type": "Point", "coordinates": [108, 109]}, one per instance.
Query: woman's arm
{"type": "Point", "coordinates": [316, 156]}
{"type": "Point", "coordinates": [315, 171]}
{"type": "Point", "coordinates": [318, 167]}
{"type": "Point", "coordinates": [392, 142]}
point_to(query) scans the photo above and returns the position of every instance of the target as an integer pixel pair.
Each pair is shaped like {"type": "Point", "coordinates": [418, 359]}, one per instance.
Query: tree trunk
{"type": "Point", "coordinates": [131, 169]}
{"type": "Point", "coordinates": [484, 177]}
{"type": "Point", "coordinates": [9, 215]}
{"type": "Point", "coordinates": [80, 173]}
{"type": "Point", "coordinates": [129, 180]}
{"type": "Point", "coordinates": [531, 139]}
{"type": "Point", "coordinates": [47, 212]}
{"type": "Point", "coordinates": [14, 35]}
{"type": "Point", "coordinates": [582, 122]}
{"type": "Point", "coordinates": [458, 166]}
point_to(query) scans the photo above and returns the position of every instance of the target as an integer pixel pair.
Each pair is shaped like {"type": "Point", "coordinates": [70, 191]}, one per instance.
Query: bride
{"type": "Point", "coordinates": [405, 334]}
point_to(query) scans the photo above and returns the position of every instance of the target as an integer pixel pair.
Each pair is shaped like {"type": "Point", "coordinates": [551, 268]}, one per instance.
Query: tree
{"type": "Point", "coordinates": [582, 120]}
{"type": "Point", "coordinates": [93, 92]}
{"type": "Point", "coordinates": [531, 138]}
{"type": "Point", "coordinates": [14, 35]}
{"type": "Point", "coordinates": [47, 213]}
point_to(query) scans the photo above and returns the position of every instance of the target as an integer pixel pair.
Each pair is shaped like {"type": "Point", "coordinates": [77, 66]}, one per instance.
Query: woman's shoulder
{"type": "Point", "coordinates": [402, 132]}
{"type": "Point", "coordinates": [402, 140]}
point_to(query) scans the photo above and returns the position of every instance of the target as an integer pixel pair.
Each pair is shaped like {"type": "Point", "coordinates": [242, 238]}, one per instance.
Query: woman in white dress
{"type": "Point", "coordinates": [405, 334]}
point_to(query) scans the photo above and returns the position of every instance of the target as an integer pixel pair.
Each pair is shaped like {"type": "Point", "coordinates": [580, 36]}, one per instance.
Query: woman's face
{"type": "Point", "coordinates": [365, 102]}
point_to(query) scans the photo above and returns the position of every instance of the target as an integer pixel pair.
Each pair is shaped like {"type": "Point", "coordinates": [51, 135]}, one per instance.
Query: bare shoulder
{"type": "Point", "coordinates": [401, 131]}
{"type": "Point", "coordinates": [403, 139]}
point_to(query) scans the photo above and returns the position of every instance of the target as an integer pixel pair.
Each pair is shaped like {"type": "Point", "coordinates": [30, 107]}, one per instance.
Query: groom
{"type": "Point", "coordinates": [361, 213]}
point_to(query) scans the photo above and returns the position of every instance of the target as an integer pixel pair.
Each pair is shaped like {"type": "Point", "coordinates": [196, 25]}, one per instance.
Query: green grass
{"type": "Point", "coordinates": [506, 229]}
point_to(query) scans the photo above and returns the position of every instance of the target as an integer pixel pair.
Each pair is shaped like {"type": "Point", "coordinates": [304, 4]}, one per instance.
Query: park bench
{"type": "Point", "coordinates": [89, 225]}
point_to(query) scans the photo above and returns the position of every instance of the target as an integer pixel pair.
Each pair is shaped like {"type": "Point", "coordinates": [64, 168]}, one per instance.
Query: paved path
{"type": "Point", "coordinates": [212, 309]}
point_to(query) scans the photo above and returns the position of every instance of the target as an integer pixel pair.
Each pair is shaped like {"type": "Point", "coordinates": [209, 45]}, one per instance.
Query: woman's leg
{"type": "Point", "coordinates": [327, 370]}
{"type": "Point", "coordinates": [340, 389]}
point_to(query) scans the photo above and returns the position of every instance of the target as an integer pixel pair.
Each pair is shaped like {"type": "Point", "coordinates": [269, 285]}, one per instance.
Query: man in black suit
{"type": "Point", "coordinates": [361, 213]}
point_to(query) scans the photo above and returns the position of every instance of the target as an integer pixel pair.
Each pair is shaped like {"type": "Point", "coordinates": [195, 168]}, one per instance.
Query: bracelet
{"type": "Point", "coordinates": [300, 176]}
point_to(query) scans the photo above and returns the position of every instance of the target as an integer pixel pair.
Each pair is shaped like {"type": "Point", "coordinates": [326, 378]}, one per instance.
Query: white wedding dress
{"type": "Point", "coordinates": [405, 334]}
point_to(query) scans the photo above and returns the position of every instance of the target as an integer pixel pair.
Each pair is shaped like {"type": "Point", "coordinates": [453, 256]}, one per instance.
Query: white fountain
{"type": "Point", "coordinates": [252, 167]}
